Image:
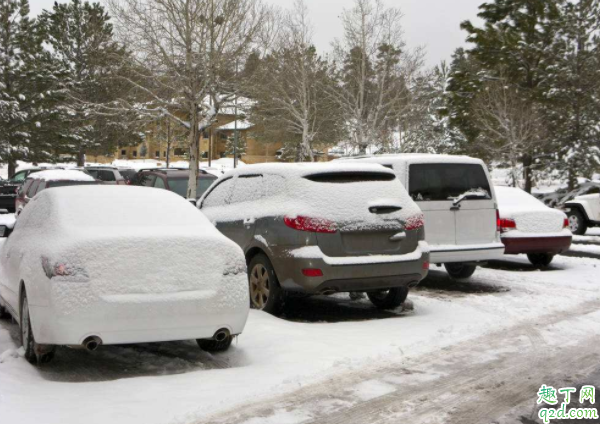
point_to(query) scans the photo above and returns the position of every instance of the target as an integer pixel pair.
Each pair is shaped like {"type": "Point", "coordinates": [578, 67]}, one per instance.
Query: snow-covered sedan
{"type": "Point", "coordinates": [527, 226]}
{"type": "Point", "coordinates": [86, 266]}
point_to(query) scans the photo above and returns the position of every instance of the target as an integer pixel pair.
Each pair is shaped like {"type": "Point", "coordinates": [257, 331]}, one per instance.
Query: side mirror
{"type": "Point", "coordinates": [4, 231]}
{"type": "Point", "coordinates": [194, 202]}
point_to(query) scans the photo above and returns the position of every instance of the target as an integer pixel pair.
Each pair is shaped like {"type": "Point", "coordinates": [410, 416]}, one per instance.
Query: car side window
{"type": "Point", "coordinates": [247, 188]}
{"type": "Point", "coordinates": [147, 180]}
{"type": "Point", "coordinates": [219, 196]}
{"type": "Point", "coordinates": [41, 186]}
{"type": "Point", "coordinates": [33, 188]}
{"type": "Point", "coordinates": [106, 175]}
{"type": "Point", "coordinates": [25, 187]}
{"type": "Point", "coordinates": [19, 176]}
{"type": "Point", "coordinates": [159, 183]}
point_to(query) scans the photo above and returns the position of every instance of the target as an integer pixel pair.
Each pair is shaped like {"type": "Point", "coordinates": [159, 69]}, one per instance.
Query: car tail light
{"type": "Point", "coordinates": [313, 225]}
{"type": "Point", "coordinates": [312, 272]}
{"type": "Point", "coordinates": [61, 269]}
{"type": "Point", "coordinates": [506, 224]}
{"type": "Point", "coordinates": [566, 223]}
{"type": "Point", "coordinates": [415, 222]}
{"type": "Point", "coordinates": [425, 266]}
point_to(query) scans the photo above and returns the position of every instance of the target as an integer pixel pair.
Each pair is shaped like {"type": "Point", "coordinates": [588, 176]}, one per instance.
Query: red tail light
{"type": "Point", "coordinates": [312, 225]}
{"type": "Point", "coordinates": [507, 224]}
{"type": "Point", "coordinates": [566, 223]}
{"type": "Point", "coordinates": [415, 222]}
{"type": "Point", "coordinates": [62, 270]}
{"type": "Point", "coordinates": [425, 266]}
{"type": "Point", "coordinates": [312, 272]}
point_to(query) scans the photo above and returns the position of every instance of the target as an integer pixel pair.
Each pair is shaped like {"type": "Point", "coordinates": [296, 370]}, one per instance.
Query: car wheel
{"type": "Point", "coordinates": [34, 353]}
{"type": "Point", "coordinates": [265, 292]}
{"type": "Point", "coordinates": [214, 345]}
{"type": "Point", "coordinates": [388, 299]}
{"type": "Point", "coordinates": [577, 223]}
{"type": "Point", "coordinates": [459, 270]}
{"type": "Point", "coordinates": [540, 259]}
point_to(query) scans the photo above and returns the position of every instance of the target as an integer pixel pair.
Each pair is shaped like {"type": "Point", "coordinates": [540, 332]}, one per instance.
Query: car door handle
{"type": "Point", "coordinates": [398, 237]}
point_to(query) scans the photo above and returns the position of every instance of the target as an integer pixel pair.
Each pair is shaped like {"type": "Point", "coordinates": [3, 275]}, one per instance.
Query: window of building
{"type": "Point", "coordinates": [157, 153]}
{"type": "Point", "coordinates": [179, 151]}
{"type": "Point", "coordinates": [123, 152]}
{"type": "Point", "coordinates": [134, 153]}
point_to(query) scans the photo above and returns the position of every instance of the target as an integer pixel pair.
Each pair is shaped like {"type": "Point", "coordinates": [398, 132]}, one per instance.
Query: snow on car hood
{"type": "Point", "coordinates": [530, 215]}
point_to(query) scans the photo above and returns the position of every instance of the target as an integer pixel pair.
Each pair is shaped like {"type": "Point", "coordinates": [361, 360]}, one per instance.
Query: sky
{"type": "Point", "coordinates": [433, 24]}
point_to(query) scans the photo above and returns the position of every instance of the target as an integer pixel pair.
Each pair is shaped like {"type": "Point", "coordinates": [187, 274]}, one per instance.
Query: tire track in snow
{"type": "Point", "coordinates": [468, 383]}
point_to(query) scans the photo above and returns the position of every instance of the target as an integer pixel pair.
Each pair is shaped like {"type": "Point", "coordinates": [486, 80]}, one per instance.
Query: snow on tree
{"type": "Point", "coordinates": [184, 58]}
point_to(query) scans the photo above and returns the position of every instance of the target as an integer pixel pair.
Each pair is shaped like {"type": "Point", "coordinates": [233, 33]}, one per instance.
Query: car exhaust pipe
{"type": "Point", "coordinates": [221, 335]}
{"type": "Point", "coordinates": [92, 343]}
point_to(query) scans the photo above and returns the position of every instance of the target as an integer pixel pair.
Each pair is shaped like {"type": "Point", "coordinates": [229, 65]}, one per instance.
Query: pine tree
{"type": "Point", "coordinates": [572, 90]}
{"type": "Point", "coordinates": [29, 84]}
{"type": "Point", "coordinates": [233, 147]}
{"type": "Point", "coordinates": [81, 39]}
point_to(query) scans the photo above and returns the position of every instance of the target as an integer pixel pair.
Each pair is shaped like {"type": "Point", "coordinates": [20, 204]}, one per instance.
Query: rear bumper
{"type": "Point", "coordinates": [349, 274]}
{"type": "Point", "coordinates": [466, 253]}
{"type": "Point", "coordinates": [552, 245]}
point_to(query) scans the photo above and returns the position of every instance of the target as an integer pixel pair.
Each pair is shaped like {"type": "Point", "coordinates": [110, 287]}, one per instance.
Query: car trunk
{"type": "Point", "coordinates": [368, 211]}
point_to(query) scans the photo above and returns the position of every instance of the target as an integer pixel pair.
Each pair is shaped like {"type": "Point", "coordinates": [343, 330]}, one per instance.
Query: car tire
{"type": "Point", "coordinates": [388, 299]}
{"type": "Point", "coordinates": [460, 270]}
{"type": "Point", "coordinates": [577, 223]}
{"type": "Point", "coordinates": [34, 353]}
{"type": "Point", "coordinates": [540, 259]}
{"type": "Point", "coordinates": [265, 292]}
{"type": "Point", "coordinates": [214, 346]}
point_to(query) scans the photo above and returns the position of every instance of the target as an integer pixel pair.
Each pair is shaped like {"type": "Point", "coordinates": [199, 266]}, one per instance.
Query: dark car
{"type": "Point", "coordinates": [175, 180]}
{"type": "Point", "coordinates": [321, 229]}
{"type": "Point", "coordinates": [42, 180]}
{"type": "Point", "coordinates": [106, 174]}
{"type": "Point", "coordinates": [9, 187]}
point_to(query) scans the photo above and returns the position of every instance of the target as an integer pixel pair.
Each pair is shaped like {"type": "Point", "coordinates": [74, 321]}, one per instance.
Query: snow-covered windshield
{"type": "Point", "coordinates": [447, 181]}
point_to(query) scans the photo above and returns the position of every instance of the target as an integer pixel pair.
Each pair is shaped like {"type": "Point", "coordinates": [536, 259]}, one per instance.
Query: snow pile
{"type": "Point", "coordinates": [286, 190]}
{"type": "Point", "coordinates": [62, 175]}
{"type": "Point", "coordinates": [530, 215]}
{"type": "Point", "coordinates": [132, 242]}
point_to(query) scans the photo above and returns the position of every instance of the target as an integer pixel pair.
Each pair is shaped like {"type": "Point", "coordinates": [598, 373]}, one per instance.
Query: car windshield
{"type": "Point", "coordinates": [447, 181]}
{"type": "Point", "coordinates": [54, 184]}
{"type": "Point", "coordinates": [180, 186]}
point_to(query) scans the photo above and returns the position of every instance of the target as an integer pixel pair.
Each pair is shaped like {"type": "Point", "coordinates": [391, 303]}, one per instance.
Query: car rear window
{"type": "Point", "coordinates": [102, 174]}
{"type": "Point", "coordinates": [350, 177]}
{"type": "Point", "coordinates": [180, 185]}
{"type": "Point", "coordinates": [128, 174]}
{"type": "Point", "coordinates": [445, 181]}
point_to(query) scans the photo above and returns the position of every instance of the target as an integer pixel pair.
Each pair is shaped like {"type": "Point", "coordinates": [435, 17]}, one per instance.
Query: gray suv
{"type": "Point", "coordinates": [321, 229]}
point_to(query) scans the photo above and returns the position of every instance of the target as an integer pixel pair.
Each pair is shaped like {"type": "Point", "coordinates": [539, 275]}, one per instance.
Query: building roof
{"type": "Point", "coordinates": [242, 124]}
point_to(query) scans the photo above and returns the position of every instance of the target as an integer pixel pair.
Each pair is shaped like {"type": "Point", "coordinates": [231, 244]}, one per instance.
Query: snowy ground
{"type": "Point", "coordinates": [449, 336]}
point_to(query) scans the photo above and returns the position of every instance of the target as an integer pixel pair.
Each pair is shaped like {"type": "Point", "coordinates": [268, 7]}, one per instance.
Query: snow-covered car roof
{"type": "Point", "coordinates": [414, 158]}
{"type": "Point", "coordinates": [299, 170]}
{"type": "Point", "coordinates": [61, 175]}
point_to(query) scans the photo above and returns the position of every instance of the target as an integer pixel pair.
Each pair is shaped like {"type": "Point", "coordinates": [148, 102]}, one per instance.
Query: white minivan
{"type": "Point", "coordinates": [459, 204]}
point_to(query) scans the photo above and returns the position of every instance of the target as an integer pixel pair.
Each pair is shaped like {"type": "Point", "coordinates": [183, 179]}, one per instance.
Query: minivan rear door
{"type": "Point", "coordinates": [435, 186]}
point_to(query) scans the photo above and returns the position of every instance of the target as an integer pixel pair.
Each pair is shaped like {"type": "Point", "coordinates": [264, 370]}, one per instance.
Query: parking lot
{"type": "Point", "coordinates": [455, 349]}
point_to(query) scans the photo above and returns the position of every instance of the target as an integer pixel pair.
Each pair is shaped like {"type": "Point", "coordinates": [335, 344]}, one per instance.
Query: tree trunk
{"type": "Point", "coordinates": [193, 179]}
{"type": "Point", "coordinates": [12, 168]}
{"type": "Point", "coordinates": [527, 162]}
{"type": "Point", "coordinates": [168, 142]}
{"type": "Point", "coordinates": [81, 158]}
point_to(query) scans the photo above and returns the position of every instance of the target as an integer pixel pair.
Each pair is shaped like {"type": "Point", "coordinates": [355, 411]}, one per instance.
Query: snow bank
{"type": "Point", "coordinates": [61, 175]}
{"type": "Point", "coordinates": [530, 215]}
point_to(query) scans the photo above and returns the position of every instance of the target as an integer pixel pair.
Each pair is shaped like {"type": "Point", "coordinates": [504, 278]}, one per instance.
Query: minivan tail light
{"type": "Point", "coordinates": [312, 272]}
{"type": "Point", "coordinates": [312, 225]}
{"type": "Point", "coordinates": [415, 222]}
{"type": "Point", "coordinates": [507, 224]}
{"type": "Point", "coordinates": [566, 223]}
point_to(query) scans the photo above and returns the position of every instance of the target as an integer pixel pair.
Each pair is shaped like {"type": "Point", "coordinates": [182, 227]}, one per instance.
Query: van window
{"type": "Point", "coordinates": [33, 188]}
{"type": "Point", "coordinates": [219, 196]}
{"type": "Point", "coordinates": [25, 187]}
{"type": "Point", "coordinates": [445, 181]}
{"type": "Point", "coordinates": [41, 186]}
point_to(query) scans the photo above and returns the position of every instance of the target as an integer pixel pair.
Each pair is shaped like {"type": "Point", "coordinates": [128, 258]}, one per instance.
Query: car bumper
{"type": "Point", "coordinates": [345, 274]}
{"type": "Point", "coordinates": [466, 253]}
{"type": "Point", "coordinates": [139, 319]}
{"type": "Point", "coordinates": [552, 245]}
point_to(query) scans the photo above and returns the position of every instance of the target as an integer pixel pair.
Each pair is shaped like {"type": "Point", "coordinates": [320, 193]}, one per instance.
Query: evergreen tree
{"type": "Point", "coordinates": [29, 84]}
{"type": "Point", "coordinates": [80, 36]}
{"type": "Point", "coordinates": [236, 147]}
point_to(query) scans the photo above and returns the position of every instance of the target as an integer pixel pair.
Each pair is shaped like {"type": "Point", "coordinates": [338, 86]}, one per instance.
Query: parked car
{"type": "Point", "coordinates": [9, 187]}
{"type": "Point", "coordinates": [106, 174]}
{"type": "Point", "coordinates": [86, 266]}
{"type": "Point", "coordinates": [584, 210]}
{"type": "Point", "coordinates": [175, 180]}
{"type": "Point", "coordinates": [458, 201]}
{"type": "Point", "coordinates": [527, 226]}
{"type": "Point", "coordinates": [42, 180]}
{"type": "Point", "coordinates": [127, 173]}
{"type": "Point", "coordinates": [321, 229]}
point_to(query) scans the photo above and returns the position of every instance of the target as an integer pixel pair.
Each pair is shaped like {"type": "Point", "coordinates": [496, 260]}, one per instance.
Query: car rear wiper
{"type": "Point", "coordinates": [384, 209]}
{"type": "Point", "coordinates": [468, 195]}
